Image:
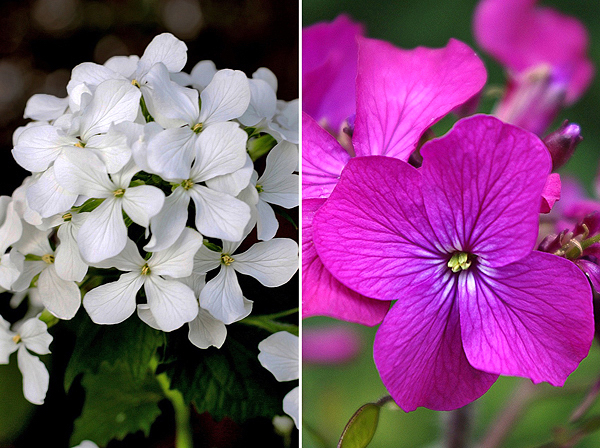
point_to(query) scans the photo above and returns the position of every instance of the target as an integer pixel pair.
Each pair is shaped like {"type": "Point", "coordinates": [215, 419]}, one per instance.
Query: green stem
{"type": "Point", "coordinates": [587, 243]}
{"type": "Point", "coordinates": [183, 429]}
{"type": "Point", "coordinates": [280, 314]}
{"type": "Point", "coordinates": [48, 318]}
{"type": "Point", "coordinates": [271, 326]}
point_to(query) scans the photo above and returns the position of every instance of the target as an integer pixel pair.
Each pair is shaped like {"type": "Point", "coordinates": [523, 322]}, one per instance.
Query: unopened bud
{"type": "Point", "coordinates": [562, 143]}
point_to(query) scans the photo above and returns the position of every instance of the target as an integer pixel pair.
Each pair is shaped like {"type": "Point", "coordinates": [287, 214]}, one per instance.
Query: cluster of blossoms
{"type": "Point", "coordinates": [448, 227]}
{"type": "Point", "coordinates": [115, 168]}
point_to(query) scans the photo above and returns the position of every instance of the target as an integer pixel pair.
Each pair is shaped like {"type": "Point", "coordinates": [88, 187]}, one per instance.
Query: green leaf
{"type": "Point", "coordinates": [116, 404]}
{"type": "Point", "coordinates": [132, 342]}
{"type": "Point", "coordinates": [361, 428]}
{"type": "Point", "coordinates": [226, 382]}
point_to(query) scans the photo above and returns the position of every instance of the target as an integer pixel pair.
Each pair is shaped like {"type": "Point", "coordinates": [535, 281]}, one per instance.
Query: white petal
{"type": "Point", "coordinates": [82, 172]}
{"type": "Point", "coordinates": [291, 405]}
{"type": "Point", "coordinates": [220, 149]}
{"type": "Point", "coordinates": [206, 331]}
{"type": "Point", "coordinates": [144, 313]}
{"type": "Point", "coordinates": [68, 262]}
{"type": "Point", "coordinates": [202, 74]}
{"type": "Point", "coordinates": [171, 152]}
{"type": "Point", "coordinates": [123, 65]}
{"type": "Point", "coordinates": [282, 161]}
{"type": "Point", "coordinates": [219, 215]}
{"type": "Point", "coordinates": [168, 224]}
{"type": "Point", "coordinates": [35, 376]}
{"type": "Point", "coordinates": [61, 297]}
{"type": "Point", "coordinates": [35, 336]}
{"type": "Point", "coordinates": [128, 259]}
{"type": "Point", "coordinates": [279, 355]}
{"type": "Point", "coordinates": [103, 234]}
{"type": "Point", "coordinates": [225, 98]}
{"type": "Point", "coordinates": [45, 107]}
{"type": "Point", "coordinates": [266, 75]}
{"type": "Point", "coordinates": [206, 260]}
{"type": "Point", "coordinates": [142, 203]}
{"type": "Point", "coordinates": [263, 103]}
{"type": "Point", "coordinates": [114, 101]}
{"type": "Point", "coordinates": [33, 241]}
{"type": "Point", "coordinates": [235, 182]}
{"type": "Point", "coordinates": [12, 228]}
{"type": "Point", "coordinates": [178, 259]}
{"type": "Point", "coordinates": [267, 224]}
{"type": "Point", "coordinates": [9, 272]}
{"type": "Point", "coordinates": [112, 148]}
{"type": "Point", "coordinates": [195, 281]}
{"type": "Point", "coordinates": [223, 298]}
{"type": "Point", "coordinates": [7, 345]}
{"type": "Point", "coordinates": [47, 197]}
{"type": "Point", "coordinates": [272, 263]}
{"type": "Point", "coordinates": [113, 302]}
{"type": "Point", "coordinates": [170, 104]}
{"type": "Point", "coordinates": [172, 303]}
{"type": "Point", "coordinates": [91, 74]}
{"type": "Point", "coordinates": [39, 146]}
{"type": "Point", "coordinates": [167, 49]}
{"type": "Point", "coordinates": [30, 270]}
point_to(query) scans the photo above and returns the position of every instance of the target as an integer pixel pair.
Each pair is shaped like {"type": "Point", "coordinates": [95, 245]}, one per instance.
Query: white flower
{"type": "Point", "coordinates": [10, 232]}
{"type": "Point", "coordinates": [272, 263]}
{"type": "Point", "coordinates": [170, 302]}
{"type": "Point", "coordinates": [32, 335]}
{"type": "Point", "coordinates": [279, 355]}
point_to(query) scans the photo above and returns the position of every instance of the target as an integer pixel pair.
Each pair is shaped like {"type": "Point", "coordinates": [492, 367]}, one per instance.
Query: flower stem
{"type": "Point", "coordinates": [587, 402]}
{"type": "Point", "coordinates": [183, 429]}
{"type": "Point", "coordinates": [459, 427]}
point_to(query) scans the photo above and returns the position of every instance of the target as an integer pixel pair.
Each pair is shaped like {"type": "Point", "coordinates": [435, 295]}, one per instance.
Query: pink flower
{"type": "Point", "coordinates": [452, 243]}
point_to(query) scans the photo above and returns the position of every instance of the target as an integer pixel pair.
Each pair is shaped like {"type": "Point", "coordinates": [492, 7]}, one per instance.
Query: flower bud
{"type": "Point", "coordinates": [562, 143]}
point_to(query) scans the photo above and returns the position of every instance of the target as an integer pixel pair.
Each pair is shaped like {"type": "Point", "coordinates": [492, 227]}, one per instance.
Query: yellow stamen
{"type": "Point", "coordinates": [227, 259]}
{"type": "Point", "coordinates": [187, 184]}
{"type": "Point", "coordinates": [119, 193]}
{"type": "Point", "coordinates": [146, 269]}
{"type": "Point", "coordinates": [459, 262]}
{"type": "Point", "coordinates": [67, 216]}
{"type": "Point", "coordinates": [48, 258]}
{"type": "Point", "coordinates": [79, 145]}
{"type": "Point", "coordinates": [197, 128]}
{"type": "Point", "coordinates": [259, 188]}
{"type": "Point", "coordinates": [134, 82]}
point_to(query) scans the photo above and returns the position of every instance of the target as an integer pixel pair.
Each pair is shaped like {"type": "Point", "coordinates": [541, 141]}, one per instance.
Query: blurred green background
{"type": "Point", "coordinates": [331, 394]}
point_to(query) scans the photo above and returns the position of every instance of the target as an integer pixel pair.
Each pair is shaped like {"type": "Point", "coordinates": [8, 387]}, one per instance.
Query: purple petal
{"type": "Point", "coordinates": [333, 344]}
{"type": "Point", "coordinates": [322, 294]}
{"type": "Point", "coordinates": [482, 184]}
{"type": "Point", "coordinates": [401, 93]}
{"type": "Point", "coordinates": [521, 35]}
{"type": "Point", "coordinates": [323, 159]}
{"type": "Point", "coordinates": [372, 233]}
{"type": "Point", "coordinates": [329, 58]}
{"type": "Point", "coordinates": [551, 192]}
{"type": "Point", "coordinates": [592, 270]}
{"type": "Point", "coordinates": [419, 354]}
{"type": "Point", "coordinates": [532, 318]}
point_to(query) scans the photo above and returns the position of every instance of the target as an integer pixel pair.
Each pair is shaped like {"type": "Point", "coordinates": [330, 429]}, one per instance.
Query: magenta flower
{"type": "Point", "coordinates": [546, 55]}
{"type": "Point", "coordinates": [452, 243]}
{"type": "Point", "coordinates": [329, 58]}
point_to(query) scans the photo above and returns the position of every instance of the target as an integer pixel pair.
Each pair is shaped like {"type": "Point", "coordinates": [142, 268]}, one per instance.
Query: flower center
{"type": "Point", "coordinates": [119, 193]}
{"type": "Point", "coordinates": [16, 338]}
{"type": "Point", "coordinates": [48, 258]}
{"type": "Point", "coordinates": [135, 82]}
{"type": "Point", "coordinates": [227, 259]}
{"type": "Point", "coordinates": [197, 128]}
{"type": "Point", "coordinates": [187, 184]}
{"type": "Point", "coordinates": [80, 144]}
{"type": "Point", "coordinates": [259, 188]}
{"type": "Point", "coordinates": [460, 261]}
{"type": "Point", "coordinates": [67, 216]}
{"type": "Point", "coordinates": [146, 269]}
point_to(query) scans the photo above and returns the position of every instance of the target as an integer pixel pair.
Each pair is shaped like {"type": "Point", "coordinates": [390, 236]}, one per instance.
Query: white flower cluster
{"type": "Point", "coordinates": [115, 166]}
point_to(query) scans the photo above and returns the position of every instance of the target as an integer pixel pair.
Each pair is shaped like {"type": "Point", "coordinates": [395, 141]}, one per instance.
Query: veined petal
{"type": "Point", "coordinates": [69, 264]}
{"type": "Point", "coordinates": [233, 183]}
{"type": "Point", "coordinates": [30, 270]}
{"type": "Point", "coordinates": [220, 149]}
{"type": "Point", "coordinates": [9, 272]}
{"type": "Point", "coordinates": [401, 93]}
{"type": "Point", "coordinates": [12, 228]}
{"type": "Point", "coordinates": [178, 259]}
{"type": "Point", "coordinates": [91, 74]}
{"type": "Point", "coordinates": [142, 203]}
{"type": "Point", "coordinates": [128, 259]}
{"type": "Point", "coordinates": [532, 318]}
{"type": "Point", "coordinates": [206, 260]}
{"type": "Point", "coordinates": [263, 103]}
{"type": "Point", "coordinates": [82, 172]}
{"type": "Point", "coordinates": [267, 224]}
{"type": "Point", "coordinates": [322, 294]}
{"type": "Point", "coordinates": [103, 234]}
{"type": "Point", "coordinates": [45, 107]}
{"type": "Point", "coordinates": [279, 185]}
{"type": "Point", "coordinates": [225, 98]}
{"type": "Point", "coordinates": [206, 331]}
{"type": "Point", "coordinates": [172, 303]}
{"type": "Point", "coordinates": [418, 350]}
{"type": "Point", "coordinates": [481, 194]}
{"type": "Point", "coordinates": [372, 233]}
{"type": "Point", "coordinates": [291, 405]}
{"type": "Point", "coordinates": [35, 336]}
{"type": "Point", "coordinates": [113, 102]}
{"type": "Point", "coordinates": [38, 146]}
{"type": "Point", "coordinates": [112, 148]}
{"type": "Point", "coordinates": [35, 376]}
{"type": "Point", "coordinates": [167, 49]}
{"type": "Point", "coordinates": [47, 197]}
{"type": "Point", "coordinates": [279, 355]}
{"type": "Point", "coordinates": [223, 297]}
{"type": "Point", "coordinates": [272, 262]}
{"type": "Point", "coordinates": [171, 152]}
{"type": "Point", "coordinates": [124, 65]}
{"type": "Point", "coordinates": [323, 160]}
{"type": "Point", "coordinates": [168, 224]}
{"type": "Point", "coordinates": [61, 297]}
{"type": "Point", "coordinates": [218, 214]}
{"type": "Point", "coordinates": [113, 302]}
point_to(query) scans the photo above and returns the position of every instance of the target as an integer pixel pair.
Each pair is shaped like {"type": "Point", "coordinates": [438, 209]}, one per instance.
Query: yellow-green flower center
{"type": "Point", "coordinates": [80, 144]}
{"type": "Point", "coordinates": [135, 82]}
{"type": "Point", "coordinates": [67, 216]}
{"type": "Point", "coordinates": [187, 184]}
{"type": "Point", "coordinates": [119, 193]}
{"type": "Point", "coordinates": [146, 269]}
{"type": "Point", "coordinates": [259, 188]}
{"type": "Point", "coordinates": [48, 258]}
{"type": "Point", "coordinates": [460, 261]}
{"type": "Point", "coordinates": [16, 338]}
{"type": "Point", "coordinates": [197, 128]}
{"type": "Point", "coordinates": [227, 259]}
